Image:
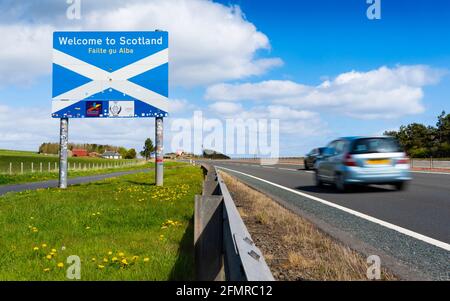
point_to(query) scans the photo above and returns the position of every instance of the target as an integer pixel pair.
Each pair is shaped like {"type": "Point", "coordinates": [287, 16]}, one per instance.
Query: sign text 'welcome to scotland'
{"type": "Point", "coordinates": [110, 74]}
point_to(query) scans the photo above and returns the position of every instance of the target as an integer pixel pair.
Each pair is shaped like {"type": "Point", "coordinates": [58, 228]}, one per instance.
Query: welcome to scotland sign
{"type": "Point", "coordinates": [110, 74]}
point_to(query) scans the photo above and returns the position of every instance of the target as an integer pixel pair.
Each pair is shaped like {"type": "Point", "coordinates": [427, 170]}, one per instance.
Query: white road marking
{"type": "Point", "coordinates": [404, 231]}
{"type": "Point", "coordinates": [291, 169]}
{"type": "Point", "coordinates": [267, 166]}
{"type": "Point", "coordinates": [308, 171]}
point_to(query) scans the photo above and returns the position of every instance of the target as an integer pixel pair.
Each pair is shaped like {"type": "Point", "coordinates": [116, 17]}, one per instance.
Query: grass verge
{"type": "Point", "coordinates": [6, 179]}
{"type": "Point", "coordinates": [122, 228]}
{"type": "Point", "coordinates": [293, 247]}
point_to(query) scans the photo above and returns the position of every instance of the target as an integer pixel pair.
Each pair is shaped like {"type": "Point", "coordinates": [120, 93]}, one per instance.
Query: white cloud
{"type": "Point", "coordinates": [381, 93]}
{"type": "Point", "coordinates": [225, 107]}
{"type": "Point", "coordinates": [25, 53]}
{"type": "Point", "coordinates": [302, 123]}
{"type": "Point", "coordinates": [179, 105]}
{"type": "Point", "coordinates": [265, 90]}
{"type": "Point", "coordinates": [209, 42]}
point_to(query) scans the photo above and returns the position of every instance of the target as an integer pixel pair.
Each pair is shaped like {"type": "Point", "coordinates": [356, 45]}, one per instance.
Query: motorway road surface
{"type": "Point", "coordinates": [422, 212]}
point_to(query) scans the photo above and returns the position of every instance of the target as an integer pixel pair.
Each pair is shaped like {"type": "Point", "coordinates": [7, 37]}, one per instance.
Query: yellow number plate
{"type": "Point", "coordinates": [378, 161]}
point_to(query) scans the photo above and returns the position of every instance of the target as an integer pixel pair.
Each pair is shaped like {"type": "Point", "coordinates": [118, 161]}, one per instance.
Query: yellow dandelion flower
{"type": "Point", "coordinates": [101, 266]}
{"type": "Point", "coordinates": [124, 261]}
{"type": "Point", "coordinates": [60, 265]}
{"type": "Point", "coordinates": [87, 228]}
{"type": "Point", "coordinates": [47, 270]}
{"type": "Point", "coordinates": [121, 254]}
{"type": "Point", "coordinates": [110, 253]}
{"type": "Point", "coordinates": [48, 256]}
{"type": "Point", "coordinates": [44, 245]}
{"type": "Point", "coordinates": [98, 213]}
{"type": "Point", "coordinates": [94, 259]}
{"type": "Point", "coordinates": [53, 250]}
{"type": "Point", "coordinates": [146, 259]}
{"type": "Point", "coordinates": [105, 259]}
{"type": "Point", "coordinates": [35, 249]}
{"type": "Point", "coordinates": [114, 259]}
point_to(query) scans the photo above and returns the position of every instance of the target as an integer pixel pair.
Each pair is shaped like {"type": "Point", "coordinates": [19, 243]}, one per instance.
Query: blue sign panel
{"type": "Point", "coordinates": [110, 74]}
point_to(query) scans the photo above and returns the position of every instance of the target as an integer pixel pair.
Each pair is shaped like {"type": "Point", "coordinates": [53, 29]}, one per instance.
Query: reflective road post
{"type": "Point", "coordinates": [63, 146]}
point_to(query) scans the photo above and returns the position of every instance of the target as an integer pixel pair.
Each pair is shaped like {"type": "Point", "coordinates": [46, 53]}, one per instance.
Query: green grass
{"type": "Point", "coordinates": [123, 215]}
{"type": "Point", "coordinates": [6, 179]}
{"type": "Point", "coordinates": [27, 158]}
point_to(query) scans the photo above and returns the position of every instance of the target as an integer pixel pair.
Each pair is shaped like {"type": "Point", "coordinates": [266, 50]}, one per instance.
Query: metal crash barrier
{"type": "Point", "coordinates": [224, 249]}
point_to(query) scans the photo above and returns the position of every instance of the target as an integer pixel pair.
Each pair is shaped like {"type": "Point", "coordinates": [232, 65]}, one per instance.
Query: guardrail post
{"type": "Point", "coordinates": [208, 238]}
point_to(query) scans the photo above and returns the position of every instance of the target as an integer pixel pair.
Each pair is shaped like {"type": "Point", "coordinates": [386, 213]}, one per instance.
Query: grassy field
{"type": "Point", "coordinates": [123, 228]}
{"type": "Point", "coordinates": [49, 171]}
{"type": "Point", "coordinates": [31, 160]}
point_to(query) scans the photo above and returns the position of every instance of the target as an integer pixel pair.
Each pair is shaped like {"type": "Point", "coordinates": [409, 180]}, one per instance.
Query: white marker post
{"type": "Point", "coordinates": [63, 146]}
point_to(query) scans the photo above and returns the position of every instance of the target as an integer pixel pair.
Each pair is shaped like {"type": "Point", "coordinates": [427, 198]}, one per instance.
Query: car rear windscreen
{"type": "Point", "coordinates": [375, 145]}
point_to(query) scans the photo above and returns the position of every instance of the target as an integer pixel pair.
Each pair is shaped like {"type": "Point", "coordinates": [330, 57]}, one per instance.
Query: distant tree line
{"type": "Point", "coordinates": [53, 148]}
{"type": "Point", "coordinates": [211, 154]}
{"type": "Point", "coordinates": [420, 141]}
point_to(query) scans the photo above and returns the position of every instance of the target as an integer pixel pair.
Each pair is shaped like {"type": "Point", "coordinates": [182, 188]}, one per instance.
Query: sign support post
{"type": "Point", "coordinates": [63, 148]}
{"type": "Point", "coordinates": [159, 156]}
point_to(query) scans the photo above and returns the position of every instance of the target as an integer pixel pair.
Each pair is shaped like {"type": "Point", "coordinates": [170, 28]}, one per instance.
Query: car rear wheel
{"type": "Point", "coordinates": [400, 186]}
{"type": "Point", "coordinates": [319, 181]}
{"type": "Point", "coordinates": [339, 181]}
{"type": "Point", "coordinates": [305, 165]}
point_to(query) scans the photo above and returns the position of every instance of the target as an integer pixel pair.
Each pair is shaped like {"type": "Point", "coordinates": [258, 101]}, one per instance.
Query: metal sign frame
{"type": "Point", "coordinates": [110, 74]}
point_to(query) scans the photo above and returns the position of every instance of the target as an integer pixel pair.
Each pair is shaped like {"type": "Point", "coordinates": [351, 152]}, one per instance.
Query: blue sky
{"type": "Point", "coordinates": [334, 71]}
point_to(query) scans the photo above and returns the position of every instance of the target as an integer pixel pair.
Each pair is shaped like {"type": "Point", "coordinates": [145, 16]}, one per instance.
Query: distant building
{"type": "Point", "coordinates": [78, 152]}
{"type": "Point", "coordinates": [111, 155]}
{"type": "Point", "coordinates": [95, 155]}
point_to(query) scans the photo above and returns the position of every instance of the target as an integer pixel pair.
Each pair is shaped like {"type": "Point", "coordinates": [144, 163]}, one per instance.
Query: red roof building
{"type": "Point", "coordinates": [79, 153]}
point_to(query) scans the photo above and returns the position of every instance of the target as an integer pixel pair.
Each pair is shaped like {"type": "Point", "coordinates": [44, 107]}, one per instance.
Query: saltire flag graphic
{"type": "Point", "coordinates": [124, 73]}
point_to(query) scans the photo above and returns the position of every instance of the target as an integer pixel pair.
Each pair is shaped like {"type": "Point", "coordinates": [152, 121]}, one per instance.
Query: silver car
{"type": "Point", "coordinates": [363, 160]}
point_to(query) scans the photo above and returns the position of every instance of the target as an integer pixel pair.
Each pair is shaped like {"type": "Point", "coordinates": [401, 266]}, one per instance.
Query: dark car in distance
{"type": "Point", "coordinates": [311, 157]}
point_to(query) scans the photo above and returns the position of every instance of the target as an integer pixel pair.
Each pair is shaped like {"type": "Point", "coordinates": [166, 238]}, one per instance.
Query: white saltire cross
{"type": "Point", "coordinates": [118, 80]}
